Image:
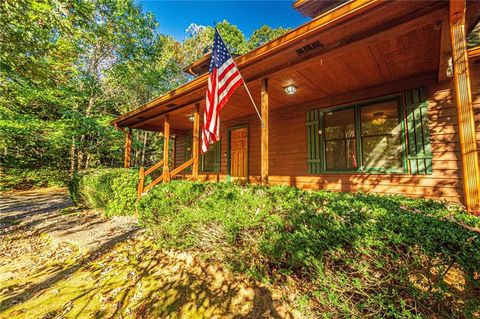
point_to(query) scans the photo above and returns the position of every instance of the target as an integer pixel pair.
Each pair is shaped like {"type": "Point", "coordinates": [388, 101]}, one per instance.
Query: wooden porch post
{"type": "Point", "coordinates": [264, 132]}
{"type": "Point", "coordinates": [463, 94]}
{"type": "Point", "coordinates": [166, 136]}
{"type": "Point", "coordinates": [196, 140]}
{"type": "Point", "coordinates": [128, 147]}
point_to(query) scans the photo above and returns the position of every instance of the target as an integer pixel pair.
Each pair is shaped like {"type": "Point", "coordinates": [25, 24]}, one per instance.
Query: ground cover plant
{"type": "Point", "coordinates": [354, 255]}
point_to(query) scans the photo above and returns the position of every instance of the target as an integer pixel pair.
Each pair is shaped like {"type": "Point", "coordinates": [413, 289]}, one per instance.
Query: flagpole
{"type": "Point", "coordinates": [246, 87]}
{"type": "Point", "coordinates": [253, 102]}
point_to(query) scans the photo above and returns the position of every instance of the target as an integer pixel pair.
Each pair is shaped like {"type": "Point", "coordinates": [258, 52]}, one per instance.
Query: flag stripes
{"type": "Point", "coordinates": [223, 80]}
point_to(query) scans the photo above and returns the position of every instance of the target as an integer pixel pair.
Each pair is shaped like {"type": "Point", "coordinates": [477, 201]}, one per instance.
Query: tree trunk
{"type": "Point", "coordinates": [81, 153]}
{"type": "Point", "coordinates": [73, 157]}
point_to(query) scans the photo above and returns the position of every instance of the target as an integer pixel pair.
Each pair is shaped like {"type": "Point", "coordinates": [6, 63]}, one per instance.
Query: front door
{"type": "Point", "coordinates": [239, 152]}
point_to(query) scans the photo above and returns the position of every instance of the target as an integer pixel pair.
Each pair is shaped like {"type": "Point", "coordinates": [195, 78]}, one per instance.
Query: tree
{"type": "Point", "coordinates": [200, 40]}
{"type": "Point", "coordinates": [264, 35]}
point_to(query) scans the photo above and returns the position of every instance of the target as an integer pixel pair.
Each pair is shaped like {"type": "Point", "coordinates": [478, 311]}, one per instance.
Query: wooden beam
{"type": "Point", "coordinates": [128, 147]}
{"type": "Point", "coordinates": [196, 140]}
{"type": "Point", "coordinates": [474, 52]}
{"type": "Point", "coordinates": [463, 94]}
{"type": "Point", "coordinates": [264, 132]}
{"type": "Point", "coordinates": [155, 182]}
{"type": "Point", "coordinates": [166, 136]}
{"type": "Point", "coordinates": [154, 167]}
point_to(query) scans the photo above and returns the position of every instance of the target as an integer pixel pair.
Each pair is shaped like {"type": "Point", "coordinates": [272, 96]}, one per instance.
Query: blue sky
{"type": "Point", "coordinates": [175, 16]}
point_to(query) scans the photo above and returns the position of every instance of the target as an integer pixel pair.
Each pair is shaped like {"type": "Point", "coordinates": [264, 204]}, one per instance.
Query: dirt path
{"type": "Point", "coordinates": [60, 262]}
{"type": "Point", "coordinates": [50, 211]}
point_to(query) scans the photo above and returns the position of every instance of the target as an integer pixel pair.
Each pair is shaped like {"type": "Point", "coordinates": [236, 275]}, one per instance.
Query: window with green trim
{"type": "Point", "coordinates": [381, 136]}
{"type": "Point", "coordinates": [387, 135]}
{"type": "Point", "coordinates": [210, 161]}
{"type": "Point", "coordinates": [339, 140]}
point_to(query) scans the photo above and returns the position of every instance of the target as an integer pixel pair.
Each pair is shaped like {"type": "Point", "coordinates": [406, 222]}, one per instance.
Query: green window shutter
{"type": "Point", "coordinates": [313, 142]}
{"type": "Point", "coordinates": [419, 150]}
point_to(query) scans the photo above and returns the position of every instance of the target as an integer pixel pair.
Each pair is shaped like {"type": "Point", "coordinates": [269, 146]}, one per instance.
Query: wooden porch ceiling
{"type": "Point", "coordinates": [352, 55]}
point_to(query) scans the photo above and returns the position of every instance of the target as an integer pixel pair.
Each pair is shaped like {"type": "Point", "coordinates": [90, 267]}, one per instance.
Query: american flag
{"type": "Point", "coordinates": [223, 80]}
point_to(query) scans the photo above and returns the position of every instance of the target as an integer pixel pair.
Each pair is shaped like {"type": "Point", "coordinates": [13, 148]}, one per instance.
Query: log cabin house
{"type": "Point", "coordinates": [378, 96]}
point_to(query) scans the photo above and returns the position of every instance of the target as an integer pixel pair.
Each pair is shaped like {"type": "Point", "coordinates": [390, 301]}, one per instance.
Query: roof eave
{"type": "Point", "coordinates": [328, 19]}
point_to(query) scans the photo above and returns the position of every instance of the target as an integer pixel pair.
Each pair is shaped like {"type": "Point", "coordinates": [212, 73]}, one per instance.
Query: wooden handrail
{"type": "Point", "coordinates": [154, 167]}
{"type": "Point", "coordinates": [177, 170]}
{"type": "Point", "coordinates": [181, 167]}
{"type": "Point", "coordinates": [143, 174]}
{"type": "Point", "coordinates": [155, 182]}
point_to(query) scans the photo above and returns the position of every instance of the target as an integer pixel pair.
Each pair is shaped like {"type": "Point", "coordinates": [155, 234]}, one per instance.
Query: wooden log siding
{"type": "Point", "coordinates": [288, 146]}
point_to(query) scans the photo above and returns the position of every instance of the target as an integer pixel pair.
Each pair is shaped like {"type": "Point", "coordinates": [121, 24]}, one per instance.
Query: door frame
{"type": "Point", "coordinates": [229, 140]}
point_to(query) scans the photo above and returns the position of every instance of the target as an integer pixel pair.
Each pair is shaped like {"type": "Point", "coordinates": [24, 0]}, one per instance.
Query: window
{"type": "Point", "coordinates": [211, 159]}
{"type": "Point", "coordinates": [390, 135]}
{"type": "Point", "coordinates": [381, 130]}
{"type": "Point", "coordinates": [339, 140]}
{"type": "Point", "coordinates": [365, 137]}
{"type": "Point", "coordinates": [209, 162]}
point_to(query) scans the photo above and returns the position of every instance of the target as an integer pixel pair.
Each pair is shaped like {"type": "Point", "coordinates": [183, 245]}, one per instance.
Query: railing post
{"type": "Point", "coordinates": [463, 95]}
{"type": "Point", "coordinates": [166, 134]}
{"type": "Point", "coordinates": [196, 141]}
{"type": "Point", "coordinates": [128, 147]}
{"type": "Point", "coordinates": [140, 182]}
{"type": "Point", "coordinates": [264, 132]}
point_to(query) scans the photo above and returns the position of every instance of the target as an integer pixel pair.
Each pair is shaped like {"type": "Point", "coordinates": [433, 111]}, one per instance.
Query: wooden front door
{"type": "Point", "coordinates": [239, 152]}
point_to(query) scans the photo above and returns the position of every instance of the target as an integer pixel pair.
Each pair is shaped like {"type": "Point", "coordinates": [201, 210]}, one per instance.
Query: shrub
{"type": "Point", "coordinates": [112, 190]}
{"type": "Point", "coordinates": [356, 255]}
{"type": "Point", "coordinates": [21, 179]}
{"type": "Point", "coordinates": [364, 254]}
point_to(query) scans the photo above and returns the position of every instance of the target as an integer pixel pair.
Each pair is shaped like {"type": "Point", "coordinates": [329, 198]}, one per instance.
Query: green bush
{"type": "Point", "coordinates": [112, 190]}
{"type": "Point", "coordinates": [21, 179]}
{"type": "Point", "coordinates": [365, 254]}
{"type": "Point", "coordinates": [359, 255]}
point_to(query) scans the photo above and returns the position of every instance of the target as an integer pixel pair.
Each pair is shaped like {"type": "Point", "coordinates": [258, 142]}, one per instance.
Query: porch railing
{"type": "Point", "coordinates": [143, 174]}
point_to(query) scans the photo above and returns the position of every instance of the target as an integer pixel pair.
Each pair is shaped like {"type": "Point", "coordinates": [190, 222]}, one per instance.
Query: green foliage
{"type": "Point", "coordinates": [20, 179]}
{"type": "Point", "coordinates": [263, 35]}
{"type": "Point", "coordinates": [112, 190]}
{"type": "Point", "coordinates": [362, 254]}
{"type": "Point", "coordinates": [357, 247]}
{"type": "Point", "coordinates": [67, 68]}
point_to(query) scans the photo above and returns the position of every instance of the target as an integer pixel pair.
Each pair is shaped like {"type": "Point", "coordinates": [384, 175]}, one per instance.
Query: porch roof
{"type": "Point", "coordinates": [360, 44]}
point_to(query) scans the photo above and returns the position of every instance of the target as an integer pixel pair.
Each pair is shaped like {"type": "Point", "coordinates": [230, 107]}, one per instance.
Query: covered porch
{"type": "Point", "coordinates": [360, 53]}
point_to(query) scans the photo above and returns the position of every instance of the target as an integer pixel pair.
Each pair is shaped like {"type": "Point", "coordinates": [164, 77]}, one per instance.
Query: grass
{"type": "Point", "coordinates": [355, 255]}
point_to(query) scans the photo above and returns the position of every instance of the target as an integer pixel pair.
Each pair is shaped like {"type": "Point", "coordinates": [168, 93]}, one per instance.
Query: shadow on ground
{"type": "Point", "coordinates": [125, 275]}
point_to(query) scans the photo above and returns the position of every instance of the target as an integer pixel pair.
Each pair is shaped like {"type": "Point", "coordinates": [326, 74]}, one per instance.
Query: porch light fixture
{"type": "Point", "coordinates": [290, 89]}
{"type": "Point", "coordinates": [191, 118]}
